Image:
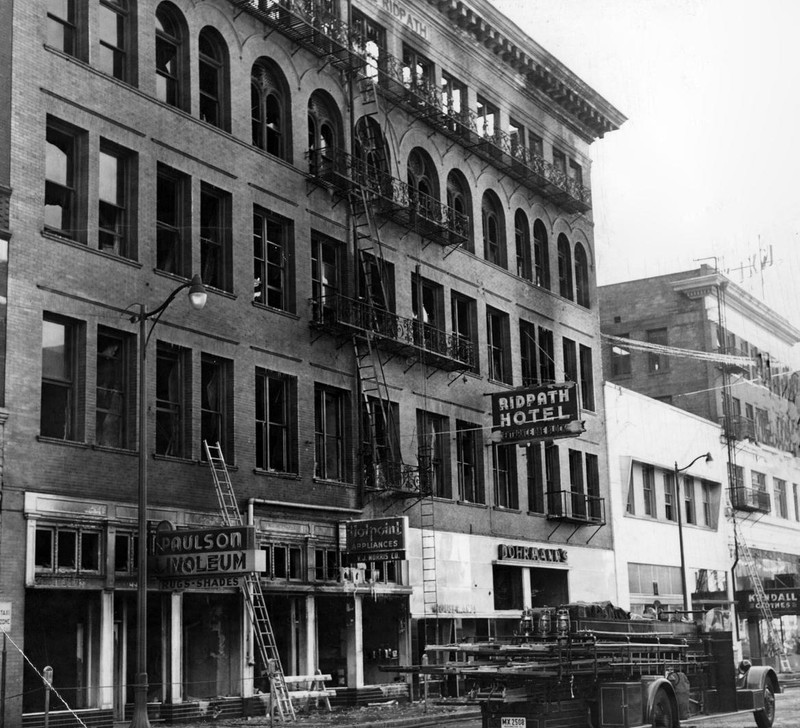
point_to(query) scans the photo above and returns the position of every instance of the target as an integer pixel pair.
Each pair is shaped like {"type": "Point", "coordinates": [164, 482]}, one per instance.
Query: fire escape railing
{"type": "Point", "coordinates": [390, 197]}
{"type": "Point", "coordinates": [567, 505]}
{"type": "Point", "coordinates": [340, 314]}
{"type": "Point", "coordinates": [313, 26]}
{"type": "Point", "coordinates": [744, 498]}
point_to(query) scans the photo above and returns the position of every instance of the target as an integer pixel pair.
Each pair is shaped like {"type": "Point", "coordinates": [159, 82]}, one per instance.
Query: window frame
{"type": "Point", "coordinates": [657, 363]}
{"type": "Point", "coordinates": [504, 476]}
{"type": "Point", "coordinates": [498, 345]}
{"type": "Point", "coordinates": [213, 103]}
{"type": "Point", "coordinates": [541, 255]}
{"type": "Point", "coordinates": [464, 320]}
{"type": "Point", "coordinates": [175, 409]}
{"type": "Point", "coordinates": [522, 242]}
{"type": "Point", "coordinates": [170, 34]}
{"type": "Point", "coordinates": [123, 231]}
{"type": "Point", "coordinates": [435, 426]}
{"type": "Point", "coordinates": [270, 107]}
{"type": "Point", "coordinates": [121, 391]}
{"type": "Point", "coordinates": [176, 231]}
{"type": "Point", "coordinates": [69, 386]}
{"type": "Point", "coordinates": [275, 427]}
{"type": "Point", "coordinates": [119, 50]}
{"type": "Point", "coordinates": [219, 408]}
{"type": "Point", "coordinates": [469, 464]}
{"type": "Point", "coordinates": [493, 227]}
{"type": "Point", "coordinates": [215, 237]}
{"type": "Point", "coordinates": [73, 186]}
{"type": "Point", "coordinates": [327, 442]}
{"type": "Point", "coordinates": [586, 374]}
{"type": "Point", "coordinates": [565, 278]}
{"type": "Point", "coordinates": [273, 261]}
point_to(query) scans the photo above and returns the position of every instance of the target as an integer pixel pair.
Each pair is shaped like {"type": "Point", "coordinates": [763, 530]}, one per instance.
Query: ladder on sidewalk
{"type": "Point", "coordinates": [251, 589]}
{"type": "Point", "coordinates": [761, 597]}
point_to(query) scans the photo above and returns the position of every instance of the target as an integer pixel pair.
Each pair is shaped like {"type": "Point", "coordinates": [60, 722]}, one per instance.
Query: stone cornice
{"type": "Point", "coordinates": [741, 301]}
{"type": "Point", "coordinates": [542, 71]}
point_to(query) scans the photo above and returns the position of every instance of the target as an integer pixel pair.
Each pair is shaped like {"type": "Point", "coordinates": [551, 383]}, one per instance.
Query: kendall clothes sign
{"type": "Point", "coordinates": [376, 539]}
{"type": "Point", "coordinates": [545, 412]}
{"type": "Point", "coordinates": [781, 601]}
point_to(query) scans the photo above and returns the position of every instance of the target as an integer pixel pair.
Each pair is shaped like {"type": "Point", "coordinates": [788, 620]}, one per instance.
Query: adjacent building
{"type": "Point", "coordinates": [390, 207]}
{"type": "Point", "coordinates": [701, 343]}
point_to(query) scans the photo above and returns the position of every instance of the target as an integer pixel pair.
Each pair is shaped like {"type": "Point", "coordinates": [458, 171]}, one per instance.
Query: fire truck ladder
{"type": "Point", "coordinates": [251, 588]}
{"type": "Point", "coordinates": [761, 597]}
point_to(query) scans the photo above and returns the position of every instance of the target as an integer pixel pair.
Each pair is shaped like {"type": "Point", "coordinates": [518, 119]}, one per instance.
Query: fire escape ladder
{"type": "Point", "coordinates": [430, 597]}
{"type": "Point", "coordinates": [251, 588]}
{"type": "Point", "coordinates": [762, 602]}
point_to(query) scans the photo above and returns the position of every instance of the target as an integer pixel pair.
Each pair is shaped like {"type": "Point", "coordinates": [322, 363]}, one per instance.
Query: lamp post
{"type": "Point", "coordinates": [197, 298]}
{"type": "Point", "coordinates": [679, 505]}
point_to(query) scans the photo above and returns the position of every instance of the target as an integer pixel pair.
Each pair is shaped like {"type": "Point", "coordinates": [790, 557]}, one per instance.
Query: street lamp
{"type": "Point", "coordinates": [197, 298]}
{"type": "Point", "coordinates": [679, 504]}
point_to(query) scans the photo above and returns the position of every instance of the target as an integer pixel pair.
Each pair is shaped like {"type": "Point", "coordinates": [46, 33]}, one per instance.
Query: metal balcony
{"type": "Point", "coordinates": [579, 508]}
{"type": "Point", "coordinates": [392, 476]}
{"type": "Point", "coordinates": [309, 24]}
{"type": "Point", "coordinates": [389, 197]}
{"type": "Point", "coordinates": [425, 101]}
{"type": "Point", "coordinates": [750, 499]}
{"type": "Point", "coordinates": [739, 428]}
{"type": "Point", "coordinates": [341, 315]}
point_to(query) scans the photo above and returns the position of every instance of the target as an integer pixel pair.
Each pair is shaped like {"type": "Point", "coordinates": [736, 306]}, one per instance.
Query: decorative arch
{"type": "Point", "coordinates": [581, 276]}
{"type": "Point", "coordinates": [172, 56]}
{"type": "Point", "coordinates": [214, 78]}
{"type": "Point", "coordinates": [460, 201]}
{"type": "Point", "coordinates": [423, 183]}
{"type": "Point", "coordinates": [564, 267]}
{"type": "Point", "coordinates": [493, 224]}
{"type": "Point", "coordinates": [270, 105]}
{"type": "Point", "coordinates": [541, 255]}
{"type": "Point", "coordinates": [522, 244]}
{"type": "Point", "coordinates": [325, 135]}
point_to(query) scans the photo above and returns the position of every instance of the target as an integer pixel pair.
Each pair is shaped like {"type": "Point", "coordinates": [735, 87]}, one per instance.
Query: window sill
{"type": "Point", "coordinates": [470, 504]}
{"type": "Point", "coordinates": [65, 443]}
{"type": "Point", "coordinates": [278, 311]}
{"type": "Point", "coordinates": [501, 383]}
{"type": "Point", "coordinates": [119, 450]}
{"type": "Point", "coordinates": [175, 459]}
{"type": "Point", "coordinates": [537, 514]}
{"type": "Point", "coordinates": [340, 483]}
{"type": "Point", "coordinates": [275, 474]}
{"type": "Point", "coordinates": [505, 509]}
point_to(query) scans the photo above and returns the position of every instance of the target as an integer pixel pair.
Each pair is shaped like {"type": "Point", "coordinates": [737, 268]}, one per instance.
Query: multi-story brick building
{"type": "Point", "coordinates": [389, 206]}
{"type": "Point", "coordinates": [700, 342]}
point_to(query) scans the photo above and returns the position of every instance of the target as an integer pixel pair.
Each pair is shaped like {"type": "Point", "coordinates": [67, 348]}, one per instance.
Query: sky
{"type": "Point", "coordinates": [707, 164]}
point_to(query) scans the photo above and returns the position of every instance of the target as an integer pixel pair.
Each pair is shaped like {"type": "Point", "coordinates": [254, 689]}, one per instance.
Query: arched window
{"type": "Point", "coordinates": [564, 267]}
{"type": "Point", "coordinates": [522, 242]}
{"type": "Point", "coordinates": [269, 103]}
{"type": "Point", "coordinates": [213, 78]}
{"type": "Point", "coordinates": [541, 256]}
{"type": "Point", "coordinates": [324, 132]}
{"type": "Point", "coordinates": [460, 203]}
{"type": "Point", "coordinates": [494, 247]}
{"type": "Point", "coordinates": [372, 156]}
{"type": "Point", "coordinates": [171, 48]}
{"type": "Point", "coordinates": [581, 276]}
{"type": "Point", "coordinates": [423, 184]}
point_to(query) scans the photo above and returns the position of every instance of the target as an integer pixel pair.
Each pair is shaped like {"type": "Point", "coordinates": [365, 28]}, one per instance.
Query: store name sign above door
{"type": "Point", "coordinates": [376, 539]}
{"type": "Point", "coordinates": [536, 413]}
{"type": "Point", "coordinates": [208, 551]}
{"type": "Point", "coordinates": [509, 552]}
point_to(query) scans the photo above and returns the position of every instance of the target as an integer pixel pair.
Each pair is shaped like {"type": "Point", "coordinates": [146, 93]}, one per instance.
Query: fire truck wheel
{"type": "Point", "coordinates": [766, 715]}
{"type": "Point", "coordinates": [663, 711]}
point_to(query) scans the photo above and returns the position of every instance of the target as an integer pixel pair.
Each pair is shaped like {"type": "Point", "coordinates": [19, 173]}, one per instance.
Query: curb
{"type": "Point", "coordinates": [417, 721]}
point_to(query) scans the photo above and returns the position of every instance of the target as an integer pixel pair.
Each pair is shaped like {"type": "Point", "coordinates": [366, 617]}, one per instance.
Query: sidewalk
{"type": "Point", "coordinates": [385, 715]}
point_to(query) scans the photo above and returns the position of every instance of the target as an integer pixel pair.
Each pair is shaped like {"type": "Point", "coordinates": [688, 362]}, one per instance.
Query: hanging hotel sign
{"type": "Point", "coordinates": [781, 601]}
{"type": "Point", "coordinates": [545, 412]}
{"type": "Point", "coordinates": [376, 539]}
{"type": "Point", "coordinates": [208, 552]}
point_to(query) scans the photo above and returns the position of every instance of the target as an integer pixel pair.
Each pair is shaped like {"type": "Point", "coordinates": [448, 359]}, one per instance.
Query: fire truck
{"type": "Point", "coordinates": [567, 668]}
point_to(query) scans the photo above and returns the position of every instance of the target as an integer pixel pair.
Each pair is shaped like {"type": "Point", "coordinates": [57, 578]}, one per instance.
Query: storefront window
{"type": "Point", "coordinates": [507, 587]}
